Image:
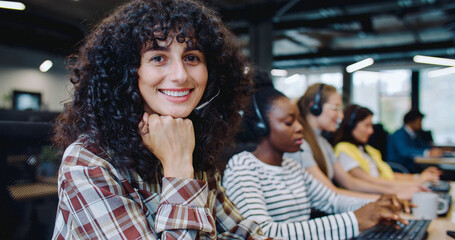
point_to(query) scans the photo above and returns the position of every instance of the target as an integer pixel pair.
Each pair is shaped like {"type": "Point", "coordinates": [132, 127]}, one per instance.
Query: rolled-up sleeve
{"type": "Point", "coordinates": [182, 208]}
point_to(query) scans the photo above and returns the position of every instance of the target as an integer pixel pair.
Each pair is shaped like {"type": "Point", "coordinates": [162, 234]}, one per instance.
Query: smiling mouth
{"type": "Point", "coordinates": [174, 93]}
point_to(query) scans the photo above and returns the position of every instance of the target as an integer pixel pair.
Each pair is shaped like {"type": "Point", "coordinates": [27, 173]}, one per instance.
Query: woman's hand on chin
{"type": "Point", "coordinates": [172, 141]}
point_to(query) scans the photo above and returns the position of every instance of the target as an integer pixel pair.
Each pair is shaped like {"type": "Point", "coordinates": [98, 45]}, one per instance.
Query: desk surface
{"type": "Point", "coordinates": [43, 188]}
{"type": "Point", "coordinates": [438, 227]}
{"type": "Point", "coordinates": [429, 160]}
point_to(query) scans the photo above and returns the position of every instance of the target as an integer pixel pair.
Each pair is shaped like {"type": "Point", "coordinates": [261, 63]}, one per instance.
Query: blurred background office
{"type": "Point", "coordinates": [301, 41]}
{"type": "Point", "coordinates": [378, 53]}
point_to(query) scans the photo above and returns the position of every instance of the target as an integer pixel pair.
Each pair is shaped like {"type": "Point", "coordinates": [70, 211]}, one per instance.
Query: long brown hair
{"type": "Point", "coordinates": [353, 114]}
{"type": "Point", "coordinates": [304, 104]}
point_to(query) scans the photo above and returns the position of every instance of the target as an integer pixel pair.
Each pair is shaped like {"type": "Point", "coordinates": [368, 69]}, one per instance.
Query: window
{"type": "Point", "coordinates": [295, 85]}
{"type": "Point", "coordinates": [386, 93]}
{"type": "Point", "coordinates": [437, 101]}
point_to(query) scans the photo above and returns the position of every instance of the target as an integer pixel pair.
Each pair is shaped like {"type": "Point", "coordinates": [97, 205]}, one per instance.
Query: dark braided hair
{"type": "Point", "coordinates": [107, 105]}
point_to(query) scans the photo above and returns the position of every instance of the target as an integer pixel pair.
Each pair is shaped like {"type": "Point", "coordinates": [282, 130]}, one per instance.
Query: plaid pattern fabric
{"type": "Point", "coordinates": [97, 201]}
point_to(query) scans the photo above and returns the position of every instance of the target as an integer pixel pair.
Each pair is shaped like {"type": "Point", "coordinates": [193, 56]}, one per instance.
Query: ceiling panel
{"type": "Point", "coordinates": [306, 33]}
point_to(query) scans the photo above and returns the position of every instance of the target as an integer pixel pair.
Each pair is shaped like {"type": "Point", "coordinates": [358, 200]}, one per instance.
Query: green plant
{"type": "Point", "coordinates": [50, 154]}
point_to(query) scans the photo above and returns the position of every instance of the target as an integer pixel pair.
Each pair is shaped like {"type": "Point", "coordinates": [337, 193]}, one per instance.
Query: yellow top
{"type": "Point", "coordinates": [354, 152]}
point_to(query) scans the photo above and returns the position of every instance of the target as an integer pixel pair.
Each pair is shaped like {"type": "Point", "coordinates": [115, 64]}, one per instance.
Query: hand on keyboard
{"type": "Point", "coordinates": [430, 174]}
{"type": "Point", "coordinates": [386, 208]}
{"type": "Point", "coordinates": [415, 230]}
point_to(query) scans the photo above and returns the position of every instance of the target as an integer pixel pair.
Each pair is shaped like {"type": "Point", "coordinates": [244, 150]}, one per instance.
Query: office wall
{"type": "Point", "coordinates": [54, 87]}
{"type": "Point", "coordinates": [19, 71]}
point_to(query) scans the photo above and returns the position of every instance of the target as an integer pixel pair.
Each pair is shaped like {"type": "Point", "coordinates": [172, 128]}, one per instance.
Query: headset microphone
{"type": "Point", "coordinates": [198, 111]}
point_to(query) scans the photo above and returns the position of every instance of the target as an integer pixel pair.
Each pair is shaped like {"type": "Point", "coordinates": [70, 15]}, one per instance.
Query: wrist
{"type": "Point", "coordinates": [179, 171]}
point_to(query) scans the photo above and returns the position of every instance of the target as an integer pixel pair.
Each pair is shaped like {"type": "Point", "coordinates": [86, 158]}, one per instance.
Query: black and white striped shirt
{"type": "Point", "coordinates": [280, 199]}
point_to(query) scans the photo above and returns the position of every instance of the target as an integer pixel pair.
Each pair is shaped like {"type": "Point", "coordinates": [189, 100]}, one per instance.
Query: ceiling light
{"type": "Point", "coordinates": [441, 72]}
{"type": "Point", "coordinates": [45, 66]}
{"type": "Point", "coordinates": [359, 65]}
{"type": "Point", "coordinates": [434, 60]}
{"type": "Point", "coordinates": [12, 5]}
{"type": "Point", "coordinates": [279, 72]}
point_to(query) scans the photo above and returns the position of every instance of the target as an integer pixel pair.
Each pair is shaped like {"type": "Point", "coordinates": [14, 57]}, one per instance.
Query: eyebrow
{"type": "Point", "coordinates": [166, 49]}
{"type": "Point", "coordinates": [290, 115]}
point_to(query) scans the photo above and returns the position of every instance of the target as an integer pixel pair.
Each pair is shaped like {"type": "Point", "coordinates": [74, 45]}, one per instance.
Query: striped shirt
{"type": "Point", "coordinates": [280, 198]}
{"type": "Point", "coordinates": [97, 201]}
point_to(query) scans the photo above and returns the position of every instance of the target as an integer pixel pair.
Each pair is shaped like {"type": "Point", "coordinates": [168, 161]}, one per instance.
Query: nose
{"type": "Point", "coordinates": [178, 72]}
{"type": "Point", "coordinates": [371, 130]}
{"type": "Point", "coordinates": [340, 115]}
{"type": "Point", "coordinates": [298, 127]}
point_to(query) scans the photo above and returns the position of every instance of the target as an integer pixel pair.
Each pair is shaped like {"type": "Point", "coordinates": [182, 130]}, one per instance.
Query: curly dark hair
{"type": "Point", "coordinates": [107, 105]}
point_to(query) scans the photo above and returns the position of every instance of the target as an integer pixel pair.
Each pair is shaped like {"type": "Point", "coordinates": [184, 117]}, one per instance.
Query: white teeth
{"type": "Point", "coordinates": [175, 93]}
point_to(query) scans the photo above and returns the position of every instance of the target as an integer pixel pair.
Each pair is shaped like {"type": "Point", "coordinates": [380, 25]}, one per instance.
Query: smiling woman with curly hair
{"type": "Point", "coordinates": [157, 90]}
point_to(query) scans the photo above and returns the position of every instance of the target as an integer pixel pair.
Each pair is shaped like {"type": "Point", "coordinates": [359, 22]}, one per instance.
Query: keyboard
{"type": "Point", "coordinates": [415, 230]}
{"type": "Point", "coordinates": [440, 186]}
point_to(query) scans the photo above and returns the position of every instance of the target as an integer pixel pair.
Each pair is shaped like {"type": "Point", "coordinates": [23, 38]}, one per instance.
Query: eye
{"type": "Point", "coordinates": [157, 59]}
{"type": "Point", "coordinates": [193, 58]}
{"type": "Point", "coordinates": [289, 122]}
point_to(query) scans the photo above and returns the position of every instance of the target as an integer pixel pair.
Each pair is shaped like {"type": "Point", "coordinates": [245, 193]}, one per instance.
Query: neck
{"type": "Point", "coordinates": [268, 154]}
{"type": "Point", "coordinates": [410, 127]}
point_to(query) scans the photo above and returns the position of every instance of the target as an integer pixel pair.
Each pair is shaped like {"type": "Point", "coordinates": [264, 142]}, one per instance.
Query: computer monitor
{"type": "Point", "coordinates": [26, 100]}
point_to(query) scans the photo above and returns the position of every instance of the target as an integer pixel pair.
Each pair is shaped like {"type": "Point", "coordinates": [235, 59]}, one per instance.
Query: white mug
{"type": "Point", "coordinates": [427, 205]}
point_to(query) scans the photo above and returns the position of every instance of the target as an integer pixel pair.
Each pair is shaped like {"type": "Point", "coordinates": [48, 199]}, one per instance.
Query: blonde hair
{"type": "Point", "coordinates": [304, 104]}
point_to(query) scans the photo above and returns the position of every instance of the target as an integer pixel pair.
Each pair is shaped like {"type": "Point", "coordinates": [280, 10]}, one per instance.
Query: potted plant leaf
{"type": "Point", "coordinates": [49, 161]}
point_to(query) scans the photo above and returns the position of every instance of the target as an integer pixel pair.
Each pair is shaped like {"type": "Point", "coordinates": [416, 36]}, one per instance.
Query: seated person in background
{"type": "Point", "coordinates": [405, 143]}
{"type": "Point", "coordinates": [278, 193]}
{"type": "Point", "coordinates": [140, 162]}
{"type": "Point", "coordinates": [365, 162]}
{"type": "Point", "coordinates": [321, 109]}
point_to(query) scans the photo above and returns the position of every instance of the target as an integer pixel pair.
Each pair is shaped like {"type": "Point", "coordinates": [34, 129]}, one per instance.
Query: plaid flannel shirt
{"type": "Point", "coordinates": [97, 201]}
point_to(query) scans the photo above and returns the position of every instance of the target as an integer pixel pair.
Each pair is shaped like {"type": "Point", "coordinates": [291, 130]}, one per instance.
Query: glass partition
{"type": "Point", "coordinates": [437, 102]}
{"type": "Point", "coordinates": [386, 93]}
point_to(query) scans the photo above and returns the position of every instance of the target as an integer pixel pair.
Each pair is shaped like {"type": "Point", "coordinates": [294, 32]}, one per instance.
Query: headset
{"type": "Point", "coordinates": [260, 127]}
{"type": "Point", "coordinates": [316, 108]}
{"type": "Point", "coordinates": [354, 113]}
{"type": "Point", "coordinates": [199, 109]}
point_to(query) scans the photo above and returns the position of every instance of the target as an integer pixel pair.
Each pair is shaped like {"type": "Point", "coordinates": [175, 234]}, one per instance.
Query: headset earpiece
{"type": "Point", "coordinates": [316, 108]}
{"type": "Point", "coordinates": [260, 127]}
{"type": "Point", "coordinates": [354, 113]}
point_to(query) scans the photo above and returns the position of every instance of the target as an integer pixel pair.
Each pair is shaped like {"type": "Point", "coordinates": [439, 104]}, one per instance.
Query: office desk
{"type": "Point", "coordinates": [438, 227]}
{"type": "Point", "coordinates": [42, 188]}
{"type": "Point", "coordinates": [35, 205]}
{"type": "Point", "coordinates": [430, 160]}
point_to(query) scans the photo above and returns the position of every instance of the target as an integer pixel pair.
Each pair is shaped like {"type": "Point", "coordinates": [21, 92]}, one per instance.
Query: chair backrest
{"type": "Point", "coordinates": [396, 167]}
{"type": "Point", "coordinates": [378, 139]}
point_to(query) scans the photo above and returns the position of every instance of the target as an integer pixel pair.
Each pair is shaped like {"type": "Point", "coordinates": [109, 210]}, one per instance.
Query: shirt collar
{"type": "Point", "coordinates": [409, 131]}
